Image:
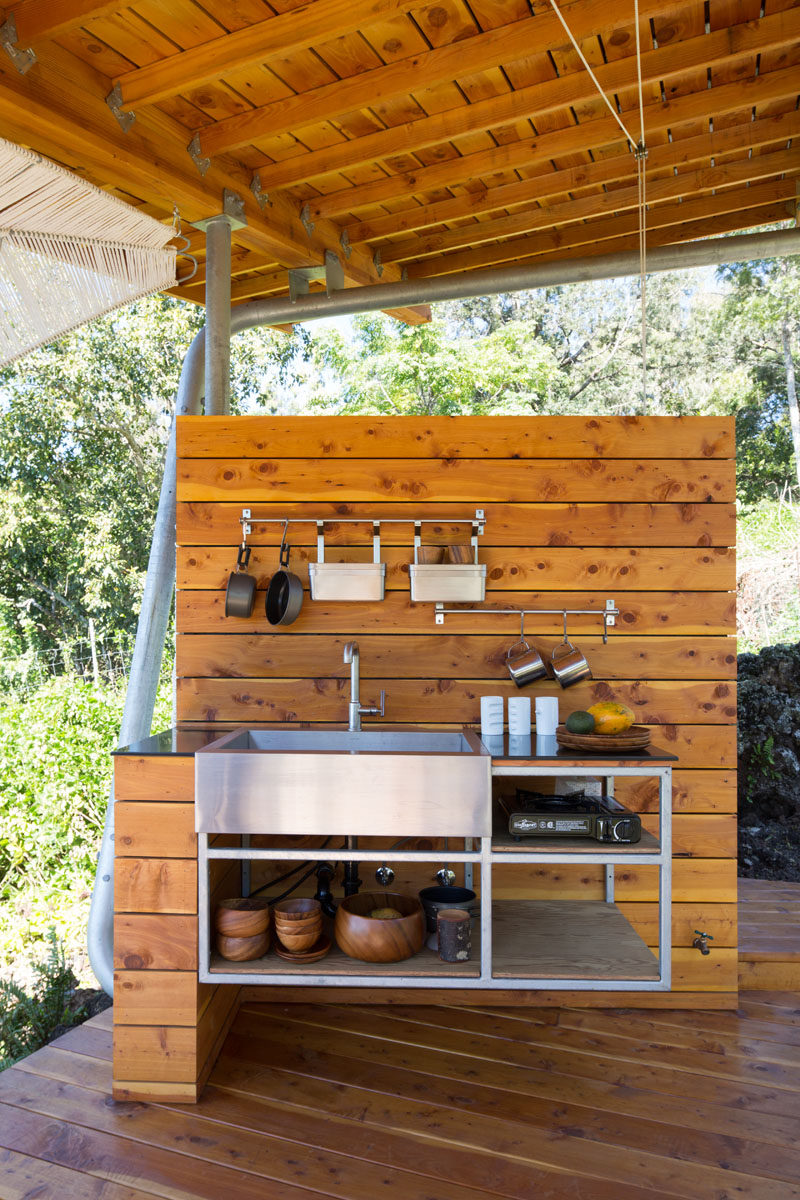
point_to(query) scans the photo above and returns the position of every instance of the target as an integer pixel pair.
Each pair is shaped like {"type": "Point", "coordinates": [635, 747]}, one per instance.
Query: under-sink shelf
{"type": "Point", "coordinates": [567, 939]}
{"type": "Point", "coordinates": [587, 940]}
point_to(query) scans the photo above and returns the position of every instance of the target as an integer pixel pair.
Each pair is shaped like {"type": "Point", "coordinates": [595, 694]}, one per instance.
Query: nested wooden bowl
{"type": "Point", "coordinates": [296, 910]}
{"type": "Point", "coordinates": [373, 940]}
{"type": "Point", "coordinates": [242, 949]}
{"type": "Point", "coordinates": [243, 916]}
{"type": "Point", "coordinates": [299, 941]}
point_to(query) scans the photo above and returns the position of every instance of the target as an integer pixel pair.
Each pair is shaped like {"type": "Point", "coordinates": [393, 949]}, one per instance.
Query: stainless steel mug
{"type": "Point", "coordinates": [525, 664]}
{"type": "Point", "coordinates": [240, 593]}
{"type": "Point", "coordinates": [568, 664]}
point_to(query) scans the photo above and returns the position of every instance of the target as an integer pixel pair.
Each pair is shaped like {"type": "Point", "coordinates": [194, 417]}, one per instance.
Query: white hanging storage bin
{"type": "Point", "coordinates": [347, 581]}
{"type": "Point", "coordinates": [453, 582]}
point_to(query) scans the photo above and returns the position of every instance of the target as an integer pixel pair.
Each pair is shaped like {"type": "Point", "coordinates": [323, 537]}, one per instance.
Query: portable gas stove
{"type": "Point", "coordinates": [534, 814]}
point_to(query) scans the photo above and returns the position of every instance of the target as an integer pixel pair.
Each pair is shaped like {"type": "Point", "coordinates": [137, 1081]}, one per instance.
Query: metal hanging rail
{"type": "Point", "coordinates": [247, 520]}
{"type": "Point", "coordinates": [609, 613]}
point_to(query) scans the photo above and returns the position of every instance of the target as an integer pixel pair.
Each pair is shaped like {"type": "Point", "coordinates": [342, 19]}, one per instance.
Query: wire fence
{"type": "Point", "coordinates": [103, 661]}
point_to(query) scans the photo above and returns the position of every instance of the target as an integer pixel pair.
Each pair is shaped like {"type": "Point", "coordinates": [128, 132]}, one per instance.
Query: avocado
{"type": "Point", "coordinates": [580, 722]}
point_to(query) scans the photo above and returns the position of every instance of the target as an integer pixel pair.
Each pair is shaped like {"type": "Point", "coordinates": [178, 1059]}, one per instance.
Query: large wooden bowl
{"type": "Point", "coordinates": [373, 940]}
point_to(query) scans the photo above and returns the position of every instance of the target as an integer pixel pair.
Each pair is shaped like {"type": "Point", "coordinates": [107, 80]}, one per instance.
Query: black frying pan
{"type": "Point", "coordinates": [285, 593]}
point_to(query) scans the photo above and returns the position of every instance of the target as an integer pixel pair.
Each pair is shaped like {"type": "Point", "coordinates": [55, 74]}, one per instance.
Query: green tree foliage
{"type": "Point", "coordinates": [757, 339]}
{"type": "Point", "coordinates": [83, 427]}
{"type": "Point", "coordinates": [560, 349]}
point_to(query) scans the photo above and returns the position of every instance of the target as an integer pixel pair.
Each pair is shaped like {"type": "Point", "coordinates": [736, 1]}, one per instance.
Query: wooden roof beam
{"type": "Point", "coordinates": [690, 183]}
{"type": "Point", "coordinates": [680, 231]}
{"type": "Point", "coordinates": [61, 118]}
{"type": "Point", "coordinates": [723, 47]}
{"type": "Point", "coordinates": [601, 133]}
{"type": "Point", "coordinates": [596, 232]}
{"type": "Point", "coordinates": [621, 167]}
{"type": "Point", "coordinates": [316, 21]}
{"type": "Point", "coordinates": [37, 19]}
{"type": "Point", "coordinates": [509, 43]}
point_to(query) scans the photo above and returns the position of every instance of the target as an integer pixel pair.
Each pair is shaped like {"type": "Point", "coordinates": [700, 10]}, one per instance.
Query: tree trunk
{"type": "Point", "coordinates": [791, 391]}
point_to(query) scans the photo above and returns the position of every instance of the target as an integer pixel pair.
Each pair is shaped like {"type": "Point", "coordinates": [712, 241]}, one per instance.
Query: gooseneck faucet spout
{"type": "Point", "coordinates": [354, 709]}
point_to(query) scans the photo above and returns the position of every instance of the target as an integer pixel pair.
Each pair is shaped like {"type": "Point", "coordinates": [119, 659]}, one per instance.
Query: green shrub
{"type": "Point", "coordinates": [30, 1015]}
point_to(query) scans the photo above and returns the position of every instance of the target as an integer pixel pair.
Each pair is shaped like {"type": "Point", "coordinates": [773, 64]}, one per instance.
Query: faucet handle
{"type": "Point", "coordinates": [375, 712]}
{"type": "Point", "coordinates": [382, 708]}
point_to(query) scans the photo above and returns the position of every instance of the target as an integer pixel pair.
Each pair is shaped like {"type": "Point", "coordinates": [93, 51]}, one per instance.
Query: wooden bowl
{"type": "Point", "coordinates": [372, 940]}
{"type": "Point", "coordinates": [242, 949]}
{"type": "Point", "coordinates": [244, 916]}
{"type": "Point", "coordinates": [299, 941]}
{"type": "Point", "coordinates": [296, 910]}
{"type": "Point", "coordinates": [460, 554]}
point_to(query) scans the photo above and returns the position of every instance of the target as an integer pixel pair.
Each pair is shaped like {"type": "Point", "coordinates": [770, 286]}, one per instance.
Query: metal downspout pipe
{"type": "Point", "coordinates": [157, 599]}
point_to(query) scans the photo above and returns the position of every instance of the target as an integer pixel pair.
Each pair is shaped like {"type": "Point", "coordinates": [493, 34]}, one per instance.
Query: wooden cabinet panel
{"type": "Point", "coordinates": [444, 655]}
{"type": "Point", "coordinates": [692, 791]}
{"type": "Point", "coordinates": [440, 700]}
{"type": "Point", "coordinates": [467, 437]}
{"type": "Point", "coordinates": [474, 482]}
{"type": "Point", "coordinates": [694, 880]}
{"type": "Point", "coordinates": [158, 997]}
{"type": "Point", "coordinates": [508, 568]}
{"type": "Point", "coordinates": [147, 830]}
{"type": "Point", "coordinates": [643, 613]}
{"type": "Point", "coordinates": [156, 1053]}
{"type": "Point", "coordinates": [155, 885]}
{"type": "Point", "coordinates": [154, 777]}
{"type": "Point", "coordinates": [202, 523]}
{"type": "Point", "coordinates": [155, 941]}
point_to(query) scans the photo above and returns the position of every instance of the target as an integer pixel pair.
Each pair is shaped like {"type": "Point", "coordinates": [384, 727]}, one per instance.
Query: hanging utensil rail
{"type": "Point", "coordinates": [609, 614]}
{"type": "Point", "coordinates": [478, 521]}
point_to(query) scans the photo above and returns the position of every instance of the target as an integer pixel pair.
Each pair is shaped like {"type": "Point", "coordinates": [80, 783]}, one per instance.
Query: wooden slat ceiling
{"type": "Point", "coordinates": [434, 138]}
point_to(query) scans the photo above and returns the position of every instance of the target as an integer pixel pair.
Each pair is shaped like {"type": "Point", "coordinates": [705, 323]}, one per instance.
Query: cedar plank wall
{"type": "Point", "coordinates": [578, 509]}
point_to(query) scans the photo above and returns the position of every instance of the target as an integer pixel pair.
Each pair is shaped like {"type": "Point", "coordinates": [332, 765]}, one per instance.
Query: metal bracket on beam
{"type": "Point", "coordinates": [23, 60]}
{"type": "Point", "coordinates": [305, 217]}
{"type": "Point", "coordinates": [300, 277]}
{"type": "Point", "coordinates": [196, 155]}
{"type": "Point", "coordinates": [376, 262]}
{"type": "Point", "coordinates": [232, 208]}
{"type": "Point", "coordinates": [114, 102]}
{"type": "Point", "coordinates": [262, 197]}
{"type": "Point", "coordinates": [344, 242]}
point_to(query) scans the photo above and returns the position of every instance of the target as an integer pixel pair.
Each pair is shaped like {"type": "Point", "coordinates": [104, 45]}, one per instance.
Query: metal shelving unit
{"type": "Point", "coordinates": [514, 936]}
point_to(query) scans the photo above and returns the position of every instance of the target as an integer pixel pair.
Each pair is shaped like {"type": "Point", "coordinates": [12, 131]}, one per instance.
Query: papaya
{"type": "Point", "coordinates": [611, 717]}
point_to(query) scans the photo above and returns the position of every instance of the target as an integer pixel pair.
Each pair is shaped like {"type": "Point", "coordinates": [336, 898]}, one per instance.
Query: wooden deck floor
{"type": "Point", "coordinates": [769, 934]}
{"type": "Point", "coordinates": [311, 1101]}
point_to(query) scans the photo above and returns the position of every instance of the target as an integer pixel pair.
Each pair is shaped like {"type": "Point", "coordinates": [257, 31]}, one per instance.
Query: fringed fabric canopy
{"type": "Point", "coordinates": [69, 252]}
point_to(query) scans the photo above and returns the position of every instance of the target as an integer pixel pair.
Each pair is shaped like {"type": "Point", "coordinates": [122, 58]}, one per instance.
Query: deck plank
{"type": "Point", "coordinates": [428, 1103]}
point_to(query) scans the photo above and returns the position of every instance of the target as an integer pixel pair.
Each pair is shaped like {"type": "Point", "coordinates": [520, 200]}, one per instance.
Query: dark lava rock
{"type": "Point", "coordinates": [769, 763]}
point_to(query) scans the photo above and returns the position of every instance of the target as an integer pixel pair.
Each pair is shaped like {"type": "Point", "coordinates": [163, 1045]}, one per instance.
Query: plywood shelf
{"type": "Point", "coordinates": [567, 939]}
{"type": "Point", "coordinates": [424, 963]}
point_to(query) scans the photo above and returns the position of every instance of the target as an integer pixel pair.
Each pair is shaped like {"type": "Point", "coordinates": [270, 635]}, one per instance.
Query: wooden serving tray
{"type": "Point", "coordinates": [635, 738]}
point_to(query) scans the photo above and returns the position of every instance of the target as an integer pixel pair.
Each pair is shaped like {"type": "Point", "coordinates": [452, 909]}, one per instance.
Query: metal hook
{"type": "Point", "coordinates": [566, 639]}
{"type": "Point", "coordinates": [283, 553]}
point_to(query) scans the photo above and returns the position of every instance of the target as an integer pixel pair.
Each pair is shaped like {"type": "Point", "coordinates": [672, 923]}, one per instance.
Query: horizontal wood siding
{"type": "Point", "coordinates": [578, 510]}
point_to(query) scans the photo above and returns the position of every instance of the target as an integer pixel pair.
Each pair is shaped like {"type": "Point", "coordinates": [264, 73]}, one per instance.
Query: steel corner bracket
{"type": "Point", "coordinates": [114, 102]}
{"type": "Point", "coordinates": [23, 60]}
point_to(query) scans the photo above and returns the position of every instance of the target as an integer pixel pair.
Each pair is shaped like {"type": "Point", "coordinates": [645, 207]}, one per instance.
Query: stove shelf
{"type": "Point", "coordinates": [504, 844]}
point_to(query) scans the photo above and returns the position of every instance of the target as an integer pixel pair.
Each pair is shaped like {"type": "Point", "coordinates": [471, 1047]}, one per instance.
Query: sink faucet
{"type": "Point", "coordinates": [354, 709]}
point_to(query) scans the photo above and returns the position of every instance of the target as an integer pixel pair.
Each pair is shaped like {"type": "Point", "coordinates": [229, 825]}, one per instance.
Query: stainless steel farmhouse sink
{"type": "Point", "coordinates": [386, 781]}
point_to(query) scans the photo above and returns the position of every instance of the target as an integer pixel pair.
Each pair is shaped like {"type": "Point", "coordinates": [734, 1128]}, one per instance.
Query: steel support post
{"type": "Point", "coordinates": [218, 316]}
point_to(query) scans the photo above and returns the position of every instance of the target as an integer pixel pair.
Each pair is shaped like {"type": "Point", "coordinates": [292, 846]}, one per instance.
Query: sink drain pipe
{"type": "Point", "coordinates": [160, 580]}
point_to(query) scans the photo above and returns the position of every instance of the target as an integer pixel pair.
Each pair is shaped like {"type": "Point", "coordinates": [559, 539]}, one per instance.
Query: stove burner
{"type": "Point", "coordinates": [527, 801]}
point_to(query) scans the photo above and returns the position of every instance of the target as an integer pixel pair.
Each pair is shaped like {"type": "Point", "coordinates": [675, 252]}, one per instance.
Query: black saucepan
{"type": "Point", "coordinates": [240, 593]}
{"type": "Point", "coordinates": [284, 594]}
